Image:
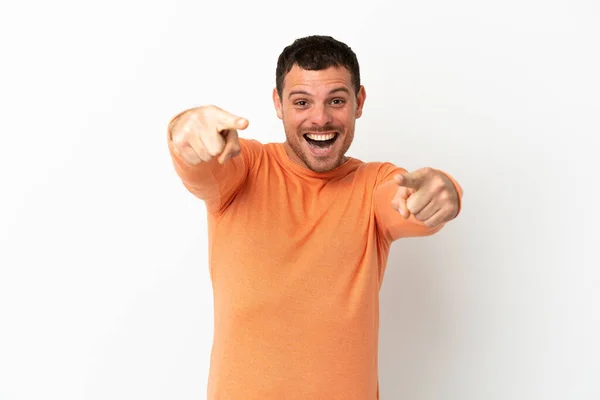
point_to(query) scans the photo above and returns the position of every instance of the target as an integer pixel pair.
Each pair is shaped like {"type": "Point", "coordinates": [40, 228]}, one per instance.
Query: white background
{"type": "Point", "coordinates": [104, 286]}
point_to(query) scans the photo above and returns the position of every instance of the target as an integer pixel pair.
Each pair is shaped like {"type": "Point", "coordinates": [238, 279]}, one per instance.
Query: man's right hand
{"type": "Point", "coordinates": [207, 132]}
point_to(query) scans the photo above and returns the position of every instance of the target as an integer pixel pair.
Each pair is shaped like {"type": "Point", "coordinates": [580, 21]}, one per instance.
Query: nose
{"type": "Point", "coordinates": [320, 116]}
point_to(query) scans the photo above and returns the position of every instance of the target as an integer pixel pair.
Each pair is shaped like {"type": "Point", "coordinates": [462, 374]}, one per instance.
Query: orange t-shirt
{"type": "Point", "coordinates": [296, 260]}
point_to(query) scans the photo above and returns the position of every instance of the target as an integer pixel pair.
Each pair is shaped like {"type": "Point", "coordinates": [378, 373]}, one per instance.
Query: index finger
{"type": "Point", "coordinates": [411, 180]}
{"type": "Point", "coordinates": [225, 121]}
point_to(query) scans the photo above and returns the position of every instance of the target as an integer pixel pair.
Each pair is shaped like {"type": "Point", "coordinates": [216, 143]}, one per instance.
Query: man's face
{"type": "Point", "coordinates": [319, 110]}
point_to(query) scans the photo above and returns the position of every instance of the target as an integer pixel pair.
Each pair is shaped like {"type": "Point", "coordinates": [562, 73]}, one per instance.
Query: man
{"type": "Point", "coordinates": [299, 233]}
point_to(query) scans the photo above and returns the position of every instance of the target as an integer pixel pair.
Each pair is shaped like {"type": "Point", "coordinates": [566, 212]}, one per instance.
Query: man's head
{"type": "Point", "coordinates": [318, 96]}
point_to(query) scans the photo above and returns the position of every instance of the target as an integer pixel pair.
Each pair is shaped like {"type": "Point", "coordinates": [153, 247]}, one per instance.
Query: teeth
{"type": "Point", "coordinates": [320, 138]}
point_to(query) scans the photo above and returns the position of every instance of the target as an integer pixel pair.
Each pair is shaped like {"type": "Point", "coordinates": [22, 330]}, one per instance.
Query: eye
{"type": "Point", "coordinates": [338, 102]}
{"type": "Point", "coordinates": [301, 103]}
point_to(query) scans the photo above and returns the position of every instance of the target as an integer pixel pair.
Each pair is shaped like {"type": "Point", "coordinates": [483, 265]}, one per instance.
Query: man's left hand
{"type": "Point", "coordinates": [428, 194]}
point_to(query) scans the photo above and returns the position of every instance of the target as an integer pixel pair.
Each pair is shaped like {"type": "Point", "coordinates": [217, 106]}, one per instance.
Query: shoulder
{"type": "Point", "coordinates": [251, 149]}
{"type": "Point", "coordinates": [251, 144]}
{"type": "Point", "coordinates": [380, 171]}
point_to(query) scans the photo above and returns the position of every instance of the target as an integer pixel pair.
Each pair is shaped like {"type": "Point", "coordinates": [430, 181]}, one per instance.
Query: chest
{"type": "Point", "coordinates": [282, 218]}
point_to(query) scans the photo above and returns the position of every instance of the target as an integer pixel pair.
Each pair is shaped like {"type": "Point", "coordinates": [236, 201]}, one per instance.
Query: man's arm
{"type": "Point", "coordinates": [415, 204]}
{"type": "Point", "coordinates": [208, 156]}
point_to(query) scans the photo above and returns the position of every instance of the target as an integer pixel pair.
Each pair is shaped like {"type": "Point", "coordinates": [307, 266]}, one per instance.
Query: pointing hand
{"type": "Point", "coordinates": [207, 132]}
{"type": "Point", "coordinates": [428, 194]}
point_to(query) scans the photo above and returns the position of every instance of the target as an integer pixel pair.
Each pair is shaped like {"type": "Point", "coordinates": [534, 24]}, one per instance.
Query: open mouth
{"type": "Point", "coordinates": [321, 140]}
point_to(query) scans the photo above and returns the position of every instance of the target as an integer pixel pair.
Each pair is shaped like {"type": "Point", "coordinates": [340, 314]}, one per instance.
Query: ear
{"type": "Point", "coordinates": [277, 104]}
{"type": "Point", "coordinates": [361, 96]}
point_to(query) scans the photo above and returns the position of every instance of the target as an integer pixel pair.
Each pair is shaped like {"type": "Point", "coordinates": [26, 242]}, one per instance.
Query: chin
{"type": "Point", "coordinates": [323, 165]}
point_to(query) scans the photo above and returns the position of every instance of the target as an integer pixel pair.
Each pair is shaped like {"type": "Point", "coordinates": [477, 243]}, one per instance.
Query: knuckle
{"type": "Point", "coordinates": [214, 152]}
{"type": "Point", "coordinates": [438, 182]}
{"type": "Point", "coordinates": [179, 138]}
{"type": "Point", "coordinates": [205, 113]}
{"type": "Point", "coordinates": [199, 114]}
{"type": "Point", "coordinates": [209, 108]}
{"type": "Point", "coordinates": [185, 131]}
{"type": "Point", "coordinates": [454, 209]}
{"type": "Point", "coordinates": [428, 170]}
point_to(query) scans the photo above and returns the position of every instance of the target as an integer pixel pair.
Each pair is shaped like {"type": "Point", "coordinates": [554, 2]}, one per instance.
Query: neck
{"type": "Point", "coordinates": [292, 155]}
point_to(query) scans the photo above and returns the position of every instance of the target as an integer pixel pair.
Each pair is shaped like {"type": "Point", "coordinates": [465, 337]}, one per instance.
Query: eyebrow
{"type": "Point", "coordinates": [304, 92]}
